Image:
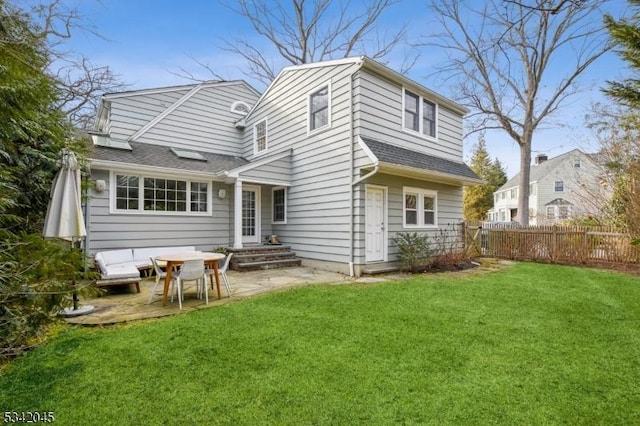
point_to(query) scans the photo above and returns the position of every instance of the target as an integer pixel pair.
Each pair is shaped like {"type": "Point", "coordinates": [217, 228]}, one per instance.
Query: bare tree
{"type": "Point", "coordinates": [515, 65]}
{"type": "Point", "coordinates": [79, 81]}
{"type": "Point", "coordinates": [307, 31]}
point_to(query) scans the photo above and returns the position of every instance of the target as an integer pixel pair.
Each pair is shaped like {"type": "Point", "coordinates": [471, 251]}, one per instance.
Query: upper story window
{"type": "Point", "coordinates": [533, 189]}
{"type": "Point", "coordinates": [279, 205]}
{"type": "Point", "coordinates": [559, 186]}
{"type": "Point", "coordinates": [419, 114]}
{"type": "Point", "coordinates": [576, 163]}
{"type": "Point", "coordinates": [134, 193]}
{"type": "Point", "coordinates": [240, 107]}
{"type": "Point", "coordinates": [320, 108]}
{"type": "Point", "coordinates": [420, 208]}
{"type": "Point", "coordinates": [513, 193]}
{"type": "Point", "coordinates": [260, 141]}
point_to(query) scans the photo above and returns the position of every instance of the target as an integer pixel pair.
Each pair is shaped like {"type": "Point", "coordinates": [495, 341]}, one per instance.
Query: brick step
{"type": "Point", "coordinates": [267, 264]}
{"type": "Point", "coordinates": [254, 257]}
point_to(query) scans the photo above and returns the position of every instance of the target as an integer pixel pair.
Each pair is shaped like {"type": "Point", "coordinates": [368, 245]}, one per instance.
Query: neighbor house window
{"type": "Point", "coordinates": [513, 194]}
{"type": "Point", "coordinates": [533, 188]}
{"type": "Point", "coordinates": [551, 212]}
{"type": "Point", "coordinates": [559, 186]}
{"type": "Point", "coordinates": [565, 212]}
{"type": "Point", "coordinates": [260, 136]}
{"type": "Point", "coordinates": [420, 207]}
{"type": "Point", "coordinates": [419, 114]}
{"type": "Point", "coordinates": [576, 163]}
{"type": "Point", "coordinates": [151, 194]}
{"type": "Point", "coordinates": [279, 203]}
{"type": "Point", "coordinates": [320, 108]}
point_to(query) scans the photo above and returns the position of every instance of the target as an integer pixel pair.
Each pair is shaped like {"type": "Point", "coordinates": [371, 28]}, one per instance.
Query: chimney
{"type": "Point", "coordinates": [541, 158]}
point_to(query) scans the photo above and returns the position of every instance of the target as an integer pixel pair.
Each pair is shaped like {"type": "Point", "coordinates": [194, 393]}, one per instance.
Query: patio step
{"type": "Point", "coordinates": [381, 268]}
{"type": "Point", "coordinates": [263, 257]}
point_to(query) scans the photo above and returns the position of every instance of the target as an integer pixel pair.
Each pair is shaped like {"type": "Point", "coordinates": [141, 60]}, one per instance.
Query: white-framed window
{"type": "Point", "coordinates": [239, 107]}
{"type": "Point", "coordinates": [564, 212]}
{"type": "Point", "coordinates": [533, 189]}
{"type": "Point", "coordinates": [513, 193]}
{"type": "Point", "coordinates": [279, 205]}
{"type": "Point", "coordinates": [260, 137]}
{"type": "Point", "coordinates": [319, 105]}
{"type": "Point", "coordinates": [503, 195]}
{"type": "Point", "coordinates": [419, 208]}
{"type": "Point", "coordinates": [419, 114]}
{"type": "Point", "coordinates": [576, 163]}
{"type": "Point", "coordinates": [495, 198]}
{"type": "Point", "coordinates": [159, 195]}
{"type": "Point", "coordinates": [559, 186]}
{"type": "Point", "coordinates": [551, 212]}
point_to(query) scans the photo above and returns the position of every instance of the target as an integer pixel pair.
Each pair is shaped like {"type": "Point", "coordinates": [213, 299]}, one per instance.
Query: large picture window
{"type": "Point", "coordinates": [420, 208]}
{"type": "Point", "coordinates": [320, 108]}
{"type": "Point", "coordinates": [152, 194]}
{"type": "Point", "coordinates": [279, 205]}
{"type": "Point", "coordinates": [419, 114]}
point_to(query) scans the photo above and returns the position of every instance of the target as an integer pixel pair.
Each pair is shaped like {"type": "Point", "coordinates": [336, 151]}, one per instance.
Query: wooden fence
{"type": "Point", "coordinates": [558, 244]}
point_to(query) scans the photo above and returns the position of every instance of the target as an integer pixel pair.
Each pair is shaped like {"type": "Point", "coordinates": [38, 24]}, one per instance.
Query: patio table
{"type": "Point", "coordinates": [177, 259]}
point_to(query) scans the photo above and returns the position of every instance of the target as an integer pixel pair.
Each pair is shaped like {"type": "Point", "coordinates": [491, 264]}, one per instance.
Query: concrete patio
{"type": "Point", "coordinates": [122, 304]}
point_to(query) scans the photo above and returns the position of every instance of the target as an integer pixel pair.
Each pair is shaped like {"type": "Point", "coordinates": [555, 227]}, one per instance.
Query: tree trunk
{"type": "Point", "coordinates": [525, 173]}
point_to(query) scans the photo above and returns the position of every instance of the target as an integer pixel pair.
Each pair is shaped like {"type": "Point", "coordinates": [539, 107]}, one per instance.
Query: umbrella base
{"type": "Point", "coordinates": [70, 312]}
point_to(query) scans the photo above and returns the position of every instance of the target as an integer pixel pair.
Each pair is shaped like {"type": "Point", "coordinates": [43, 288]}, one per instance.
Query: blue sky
{"type": "Point", "coordinates": [146, 42]}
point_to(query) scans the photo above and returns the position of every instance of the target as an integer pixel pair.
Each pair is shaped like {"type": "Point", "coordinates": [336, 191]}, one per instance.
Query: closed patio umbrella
{"type": "Point", "coordinates": [64, 217]}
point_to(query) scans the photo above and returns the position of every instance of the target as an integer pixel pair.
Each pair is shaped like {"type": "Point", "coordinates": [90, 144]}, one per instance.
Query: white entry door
{"type": "Point", "coordinates": [250, 214]}
{"type": "Point", "coordinates": [376, 240]}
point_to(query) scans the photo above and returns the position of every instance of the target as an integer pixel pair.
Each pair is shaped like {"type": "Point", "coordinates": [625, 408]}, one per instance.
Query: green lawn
{"type": "Point", "coordinates": [531, 344]}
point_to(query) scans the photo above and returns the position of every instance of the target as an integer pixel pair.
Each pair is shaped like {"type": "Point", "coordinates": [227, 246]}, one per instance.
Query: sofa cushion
{"type": "Point", "coordinates": [120, 270]}
{"type": "Point", "coordinates": [111, 257]}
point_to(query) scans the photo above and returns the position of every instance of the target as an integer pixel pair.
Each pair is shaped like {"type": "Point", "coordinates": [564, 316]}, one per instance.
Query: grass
{"type": "Point", "coordinates": [531, 344]}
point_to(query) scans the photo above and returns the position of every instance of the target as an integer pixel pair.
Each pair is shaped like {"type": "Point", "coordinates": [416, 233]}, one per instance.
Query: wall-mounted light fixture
{"type": "Point", "coordinates": [101, 185]}
{"type": "Point", "coordinates": [222, 193]}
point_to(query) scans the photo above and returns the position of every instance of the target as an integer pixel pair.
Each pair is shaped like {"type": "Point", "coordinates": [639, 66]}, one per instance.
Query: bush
{"type": "Point", "coordinates": [413, 250]}
{"type": "Point", "coordinates": [36, 277]}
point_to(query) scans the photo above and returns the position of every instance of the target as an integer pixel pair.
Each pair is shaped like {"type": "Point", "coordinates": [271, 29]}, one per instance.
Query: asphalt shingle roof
{"type": "Point", "coordinates": [401, 156]}
{"type": "Point", "coordinates": [162, 156]}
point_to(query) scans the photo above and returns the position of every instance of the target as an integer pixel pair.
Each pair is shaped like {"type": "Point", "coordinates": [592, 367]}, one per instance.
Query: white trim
{"type": "Point", "coordinates": [169, 89]}
{"type": "Point", "coordinates": [326, 126]}
{"type": "Point", "coordinates": [141, 211]}
{"type": "Point", "coordinates": [256, 152]}
{"type": "Point", "coordinates": [420, 131]}
{"type": "Point", "coordinates": [385, 213]}
{"type": "Point", "coordinates": [258, 211]}
{"type": "Point", "coordinates": [421, 193]}
{"type": "Point", "coordinates": [274, 189]}
{"type": "Point", "coordinates": [235, 104]}
{"type": "Point", "coordinates": [164, 113]}
{"type": "Point", "coordinates": [234, 173]}
{"type": "Point", "coordinates": [363, 145]}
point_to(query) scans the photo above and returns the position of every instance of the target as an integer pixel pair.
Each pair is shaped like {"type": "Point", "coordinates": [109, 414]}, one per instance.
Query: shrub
{"type": "Point", "coordinates": [413, 250]}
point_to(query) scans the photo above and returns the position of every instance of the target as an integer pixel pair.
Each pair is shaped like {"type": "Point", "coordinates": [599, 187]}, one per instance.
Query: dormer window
{"type": "Point", "coordinates": [239, 107]}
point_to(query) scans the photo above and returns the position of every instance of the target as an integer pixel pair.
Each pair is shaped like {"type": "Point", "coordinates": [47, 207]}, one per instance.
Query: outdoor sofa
{"type": "Point", "coordinates": [123, 266]}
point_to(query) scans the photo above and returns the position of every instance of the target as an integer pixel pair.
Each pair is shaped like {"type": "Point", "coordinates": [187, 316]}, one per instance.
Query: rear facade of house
{"type": "Point", "coordinates": [335, 158]}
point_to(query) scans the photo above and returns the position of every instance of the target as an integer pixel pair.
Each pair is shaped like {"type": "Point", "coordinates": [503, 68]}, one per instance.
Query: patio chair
{"type": "Point", "coordinates": [191, 270]}
{"type": "Point", "coordinates": [160, 276]}
{"type": "Point", "coordinates": [222, 271]}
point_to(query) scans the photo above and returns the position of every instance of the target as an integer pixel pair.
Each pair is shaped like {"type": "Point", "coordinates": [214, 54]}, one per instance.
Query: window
{"type": "Point", "coordinates": [503, 195]}
{"type": "Point", "coordinates": [576, 163]}
{"type": "Point", "coordinates": [533, 189]}
{"type": "Point", "coordinates": [240, 107]}
{"type": "Point", "coordinates": [559, 186]}
{"type": "Point", "coordinates": [513, 193]}
{"type": "Point", "coordinates": [495, 198]}
{"type": "Point", "coordinates": [320, 108]}
{"type": "Point", "coordinates": [419, 114]}
{"type": "Point", "coordinates": [565, 211]}
{"type": "Point", "coordinates": [420, 208]}
{"type": "Point", "coordinates": [260, 137]}
{"type": "Point", "coordinates": [551, 212]}
{"type": "Point", "coordinates": [151, 194]}
{"type": "Point", "coordinates": [279, 205]}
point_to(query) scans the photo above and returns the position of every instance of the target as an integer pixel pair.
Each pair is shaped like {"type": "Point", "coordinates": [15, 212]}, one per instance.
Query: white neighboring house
{"type": "Point", "coordinates": [570, 185]}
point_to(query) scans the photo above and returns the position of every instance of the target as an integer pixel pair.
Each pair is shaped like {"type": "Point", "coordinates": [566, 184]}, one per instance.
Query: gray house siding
{"type": "Point", "coordinates": [449, 210]}
{"type": "Point", "coordinates": [318, 199]}
{"type": "Point", "coordinates": [379, 116]}
{"type": "Point", "coordinates": [107, 231]}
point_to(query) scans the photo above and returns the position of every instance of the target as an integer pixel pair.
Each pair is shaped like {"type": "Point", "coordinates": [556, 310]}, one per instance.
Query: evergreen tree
{"type": "Point", "coordinates": [478, 199]}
